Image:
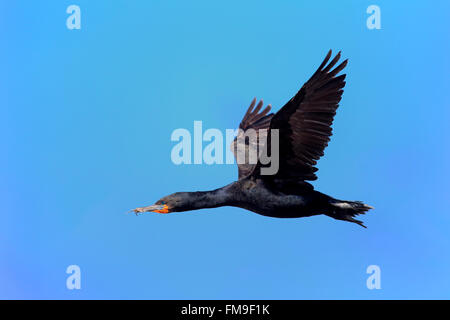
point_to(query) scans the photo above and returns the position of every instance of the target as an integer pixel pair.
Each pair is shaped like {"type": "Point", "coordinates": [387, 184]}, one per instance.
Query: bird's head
{"type": "Point", "coordinates": [178, 201]}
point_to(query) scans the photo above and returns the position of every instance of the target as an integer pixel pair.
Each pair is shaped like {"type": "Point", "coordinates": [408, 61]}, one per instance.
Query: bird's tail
{"type": "Point", "coordinates": [347, 210]}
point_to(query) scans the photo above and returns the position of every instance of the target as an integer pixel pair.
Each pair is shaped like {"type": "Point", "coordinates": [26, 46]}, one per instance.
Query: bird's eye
{"type": "Point", "coordinates": [163, 202]}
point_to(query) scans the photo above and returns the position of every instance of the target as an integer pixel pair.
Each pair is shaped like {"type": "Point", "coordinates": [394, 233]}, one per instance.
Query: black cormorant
{"type": "Point", "coordinates": [304, 127]}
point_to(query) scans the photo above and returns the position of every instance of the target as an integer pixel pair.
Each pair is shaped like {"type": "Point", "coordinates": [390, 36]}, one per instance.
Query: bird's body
{"type": "Point", "coordinates": [247, 194]}
{"type": "Point", "coordinates": [266, 199]}
{"type": "Point", "coordinates": [304, 127]}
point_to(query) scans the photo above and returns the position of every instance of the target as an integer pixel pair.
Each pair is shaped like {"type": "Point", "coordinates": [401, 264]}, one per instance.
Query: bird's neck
{"type": "Point", "coordinates": [208, 199]}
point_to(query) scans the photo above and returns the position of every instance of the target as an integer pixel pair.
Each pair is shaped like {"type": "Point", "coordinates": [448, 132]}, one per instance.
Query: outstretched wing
{"type": "Point", "coordinates": [256, 120]}
{"type": "Point", "coordinates": [304, 122]}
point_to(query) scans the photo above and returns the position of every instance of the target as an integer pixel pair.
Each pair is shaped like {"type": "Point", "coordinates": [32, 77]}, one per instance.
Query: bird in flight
{"type": "Point", "coordinates": [304, 129]}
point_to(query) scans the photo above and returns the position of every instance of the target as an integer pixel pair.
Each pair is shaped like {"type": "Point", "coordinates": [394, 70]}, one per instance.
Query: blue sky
{"type": "Point", "coordinates": [85, 125]}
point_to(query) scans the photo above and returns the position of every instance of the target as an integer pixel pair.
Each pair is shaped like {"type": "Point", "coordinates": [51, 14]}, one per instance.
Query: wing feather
{"type": "Point", "coordinates": [304, 122]}
{"type": "Point", "coordinates": [256, 120]}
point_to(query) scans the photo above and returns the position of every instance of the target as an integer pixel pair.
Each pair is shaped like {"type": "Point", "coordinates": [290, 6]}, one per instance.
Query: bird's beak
{"type": "Point", "coordinates": [159, 208]}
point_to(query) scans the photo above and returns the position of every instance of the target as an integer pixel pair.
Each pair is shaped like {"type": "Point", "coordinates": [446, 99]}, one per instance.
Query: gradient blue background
{"type": "Point", "coordinates": [85, 123]}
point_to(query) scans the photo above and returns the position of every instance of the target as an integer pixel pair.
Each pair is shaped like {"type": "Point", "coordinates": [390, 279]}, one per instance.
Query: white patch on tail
{"type": "Point", "coordinates": [342, 205]}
